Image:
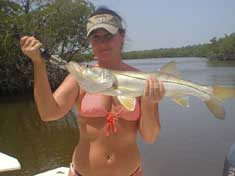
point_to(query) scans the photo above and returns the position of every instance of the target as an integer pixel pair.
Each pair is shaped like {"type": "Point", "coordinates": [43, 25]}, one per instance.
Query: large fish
{"type": "Point", "coordinates": [127, 85]}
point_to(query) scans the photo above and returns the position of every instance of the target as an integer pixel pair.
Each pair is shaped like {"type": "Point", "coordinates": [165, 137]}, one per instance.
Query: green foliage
{"type": "Point", "coordinates": [221, 49]}
{"type": "Point", "coordinates": [226, 47]}
{"type": "Point", "coordinates": [58, 24]}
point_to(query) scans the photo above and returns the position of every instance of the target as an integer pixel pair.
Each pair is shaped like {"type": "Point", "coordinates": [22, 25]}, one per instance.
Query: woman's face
{"type": "Point", "coordinates": [105, 45]}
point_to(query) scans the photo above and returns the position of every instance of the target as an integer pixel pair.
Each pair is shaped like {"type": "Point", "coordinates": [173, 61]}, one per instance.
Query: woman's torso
{"type": "Point", "coordinates": [98, 154]}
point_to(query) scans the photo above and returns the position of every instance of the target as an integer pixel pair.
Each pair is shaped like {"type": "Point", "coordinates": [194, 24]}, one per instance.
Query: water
{"type": "Point", "coordinates": [192, 142]}
{"type": "Point", "coordinates": [38, 146]}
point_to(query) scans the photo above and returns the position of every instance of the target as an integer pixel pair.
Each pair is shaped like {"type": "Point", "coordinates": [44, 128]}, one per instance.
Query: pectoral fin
{"type": "Point", "coordinates": [127, 102]}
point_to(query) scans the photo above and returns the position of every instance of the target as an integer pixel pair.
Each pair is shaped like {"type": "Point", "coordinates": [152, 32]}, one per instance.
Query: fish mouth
{"type": "Point", "coordinates": [74, 68]}
{"type": "Point", "coordinates": [78, 68]}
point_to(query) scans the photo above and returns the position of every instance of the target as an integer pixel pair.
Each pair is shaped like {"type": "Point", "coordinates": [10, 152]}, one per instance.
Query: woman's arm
{"type": "Point", "coordinates": [50, 106]}
{"type": "Point", "coordinates": [53, 106]}
{"type": "Point", "coordinates": [149, 124]}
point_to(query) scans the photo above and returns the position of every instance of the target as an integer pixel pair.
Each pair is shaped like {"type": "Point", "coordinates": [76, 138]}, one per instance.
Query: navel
{"type": "Point", "coordinates": [110, 158]}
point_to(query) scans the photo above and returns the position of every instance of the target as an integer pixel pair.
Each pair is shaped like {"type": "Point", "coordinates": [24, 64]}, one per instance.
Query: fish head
{"type": "Point", "coordinates": [75, 70]}
{"type": "Point", "coordinates": [95, 74]}
{"type": "Point", "coordinates": [91, 78]}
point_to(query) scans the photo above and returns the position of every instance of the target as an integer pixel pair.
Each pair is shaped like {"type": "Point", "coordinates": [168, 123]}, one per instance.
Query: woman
{"type": "Point", "coordinates": [108, 132]}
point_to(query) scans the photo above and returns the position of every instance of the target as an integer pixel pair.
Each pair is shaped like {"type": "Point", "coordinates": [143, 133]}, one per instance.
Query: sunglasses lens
{"type": "Point", "coordinates": [103, 38]}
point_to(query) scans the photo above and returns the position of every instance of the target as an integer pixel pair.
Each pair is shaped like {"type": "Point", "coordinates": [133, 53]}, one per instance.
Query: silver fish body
{"type": "Point", "coordinates": [127, 85]}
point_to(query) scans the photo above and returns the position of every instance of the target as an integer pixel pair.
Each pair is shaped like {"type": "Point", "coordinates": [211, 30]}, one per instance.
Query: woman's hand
{"type": "Point", "coordinates": [149, 125]}
{"type": "Point", "coordinates": [154, 90]}
{"type": "Point", "coordinates": [30, 47]}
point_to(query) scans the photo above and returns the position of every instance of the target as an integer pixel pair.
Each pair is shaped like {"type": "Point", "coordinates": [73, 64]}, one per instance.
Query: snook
{"type": "Point", "coordinates": [127, 85]}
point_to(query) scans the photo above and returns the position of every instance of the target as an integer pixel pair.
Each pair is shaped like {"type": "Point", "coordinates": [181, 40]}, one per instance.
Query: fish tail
{"type": "Point", "coordinates": [223, 93]}
{"type": "Point", "coordinates": [216, 108]}
{"type": "Point", "coordinates": [214, 104]}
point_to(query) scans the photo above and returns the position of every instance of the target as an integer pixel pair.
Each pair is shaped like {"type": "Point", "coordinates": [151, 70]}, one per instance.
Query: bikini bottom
{"type": "Point", "coordinates": [74, 172]}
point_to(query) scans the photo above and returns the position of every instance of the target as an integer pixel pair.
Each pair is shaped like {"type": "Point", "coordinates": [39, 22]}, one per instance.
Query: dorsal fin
{"type": "Point", "coordinates": [170, 68]}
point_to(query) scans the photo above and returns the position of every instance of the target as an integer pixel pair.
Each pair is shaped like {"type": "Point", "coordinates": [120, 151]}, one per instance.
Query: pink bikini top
{"type": "Point", "coordinates": [93, 105]}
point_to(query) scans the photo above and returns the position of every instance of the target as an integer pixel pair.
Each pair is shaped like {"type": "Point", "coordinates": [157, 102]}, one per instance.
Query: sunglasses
{"type": "Point", "coordinates": [101, 38]}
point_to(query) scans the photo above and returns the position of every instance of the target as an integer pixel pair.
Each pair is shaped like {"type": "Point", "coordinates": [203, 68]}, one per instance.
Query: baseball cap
{"type": "Point", "coordinates": [108, 22]}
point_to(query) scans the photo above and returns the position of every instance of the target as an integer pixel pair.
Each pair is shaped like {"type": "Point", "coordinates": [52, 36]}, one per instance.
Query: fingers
{"type": "Point", "coordinates": [27, 42]}
{"type": "Point", "coordinates": [34, 44]}
{"type": "Point", "coordinates": [30, 46]}
{"type": "Point", "coordinates": [146, 89]}
{"type": "Point", "coordinates": [154, 89]}
{"type": "Point", "coordinates": [22, 40]}
{"type": "Point", "coordinates": [151, 86]}
{"type": "Point", "coordinates": [161, 89]}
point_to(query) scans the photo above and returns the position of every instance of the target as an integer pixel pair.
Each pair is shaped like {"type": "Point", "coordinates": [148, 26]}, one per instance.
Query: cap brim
{"type": "Point", "coordinates": [110, 28]}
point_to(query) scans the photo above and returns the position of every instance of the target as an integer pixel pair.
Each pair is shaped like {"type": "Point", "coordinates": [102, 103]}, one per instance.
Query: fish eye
{"type": "Point", "coordinates": [86, 65]}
